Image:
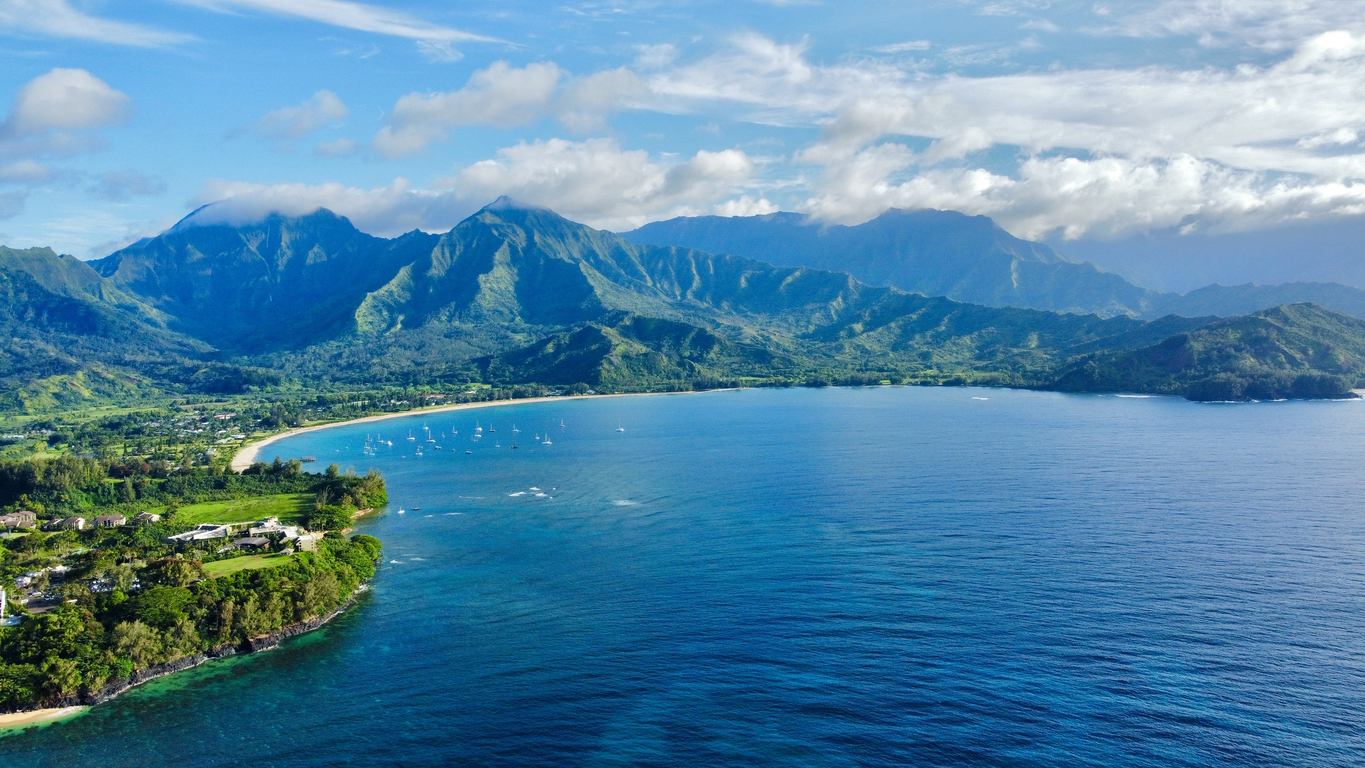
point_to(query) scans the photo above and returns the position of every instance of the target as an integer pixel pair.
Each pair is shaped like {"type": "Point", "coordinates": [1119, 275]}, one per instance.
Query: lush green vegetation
{"type": "Point", "coordinates": [108, 601]}
{"type": "Point", "coordinates": [79, 648]}
{"type": "Point", "coordinates": [514, 302]}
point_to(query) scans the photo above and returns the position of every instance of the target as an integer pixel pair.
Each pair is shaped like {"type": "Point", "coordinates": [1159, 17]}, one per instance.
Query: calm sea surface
{"type": "Point", "coordinates": [894, 576]}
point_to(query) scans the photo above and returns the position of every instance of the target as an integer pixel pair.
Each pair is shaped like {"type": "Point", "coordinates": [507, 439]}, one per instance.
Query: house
{"type": "Point", "coordinates": [74, 523]}
{"type": "Point", "coordinates": [307, 543]}
{"type": "Point", "coordinates": [202, 532]}
{"type": "Point", "coordinates": [271, 527]}
{"type": "Point", "coordinates": [110, 521]}
{"type": "Point", "coordinates": [147, 517]}
{"type": "Point", "coordinates": [252, 542]}
{"type": "Point", "coordinates": [21, 519]}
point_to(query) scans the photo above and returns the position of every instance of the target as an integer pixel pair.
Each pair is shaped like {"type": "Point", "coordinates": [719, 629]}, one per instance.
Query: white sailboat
{"type": "Point", "coordinates": [620, 428]}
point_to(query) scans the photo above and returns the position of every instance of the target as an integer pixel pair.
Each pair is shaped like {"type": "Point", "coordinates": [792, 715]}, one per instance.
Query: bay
{"type": "Point", "coordinates": [868, 577]}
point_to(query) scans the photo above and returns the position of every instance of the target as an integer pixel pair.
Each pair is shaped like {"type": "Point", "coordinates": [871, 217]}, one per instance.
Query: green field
{"type": "Point", "coordinates": [289, 507]}
{"type": "Point", "coordinates": [245, 563]}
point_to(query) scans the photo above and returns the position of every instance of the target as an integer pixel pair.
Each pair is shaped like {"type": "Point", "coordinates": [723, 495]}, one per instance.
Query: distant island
{"type": "Point", "coordinates": [517, 301]}
{"type": "Point", "coordinates": [119, 571]}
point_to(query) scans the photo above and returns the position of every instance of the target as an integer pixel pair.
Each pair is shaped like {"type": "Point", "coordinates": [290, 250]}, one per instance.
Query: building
{"type": "Point", "coordinates": [147, 517]}
{"type": "Point", "coordinates": [202, 532]}
{"type": "Point", "coordinates": [110, 521]}
{"type": "Point", "coordinates": [21, 519]}
{"type": "Point", "coordinates": [252, 542]}
{"type": "Point", "coordinates": [74, 523]}
{"type": "Point", "coordinates": [307, 543]}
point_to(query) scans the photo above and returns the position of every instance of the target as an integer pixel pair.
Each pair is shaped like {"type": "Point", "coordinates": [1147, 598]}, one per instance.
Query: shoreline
{"type": "Point", "coordinates": [17, 720]}
{"type": "Point", "coordinates": [39, 716]}
{"type": "Point", "coordinates": [249, 453]}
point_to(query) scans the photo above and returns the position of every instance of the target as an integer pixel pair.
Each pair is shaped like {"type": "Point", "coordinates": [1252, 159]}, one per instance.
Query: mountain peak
{"type": "Point", "coordinates": [508, 203]}
{"type": "Point", "coordinates": [228, 213]}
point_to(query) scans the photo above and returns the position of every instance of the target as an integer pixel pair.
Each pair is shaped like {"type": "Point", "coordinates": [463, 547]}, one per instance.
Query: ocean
{"type": "Point", "coordinates": [813, 577]}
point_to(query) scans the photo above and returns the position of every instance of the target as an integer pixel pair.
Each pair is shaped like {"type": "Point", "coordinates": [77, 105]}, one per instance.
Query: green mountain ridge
{"type": "Point", "coordinates": [517, 295]}
{"type": "Point", "coordinates": [971, 259]}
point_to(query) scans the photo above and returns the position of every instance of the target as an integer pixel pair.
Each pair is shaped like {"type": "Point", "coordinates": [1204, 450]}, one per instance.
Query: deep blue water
{"type": "Point", "coordinates": [891, 576]}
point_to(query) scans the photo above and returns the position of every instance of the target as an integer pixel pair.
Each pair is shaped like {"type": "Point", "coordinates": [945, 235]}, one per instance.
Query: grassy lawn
{"type": "Point", "coordinates": [289, 507]}
{"type": "Point", "coordinates": [245, 563]}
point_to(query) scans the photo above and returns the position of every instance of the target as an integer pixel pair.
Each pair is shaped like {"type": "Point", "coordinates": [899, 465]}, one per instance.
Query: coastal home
{"type": "Point", "coordinates": [110, 521]}
{"type": "Point", "coordinates": [271, 527]}
{"type": "Point", "coordinates": [307, 543]}
{"type": "Point", "coordinates": [74, 523]}
{"type": "Point", "coordinates": [147, 517]}
{"type": "Point", "coordinates": [21, 519]}
{"type": "Point", "coordinates": [252, 542]}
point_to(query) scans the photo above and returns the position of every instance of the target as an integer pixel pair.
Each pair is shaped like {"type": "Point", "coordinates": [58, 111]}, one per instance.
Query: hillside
{"type": "Point", "coordinates": [280, 282]}
{"type": "Point", "coordinates": [520, 295]}
{"type": "Point", "coordinates": [1300, 350]}
{"type": "Point", "coordinates": [937, 253]}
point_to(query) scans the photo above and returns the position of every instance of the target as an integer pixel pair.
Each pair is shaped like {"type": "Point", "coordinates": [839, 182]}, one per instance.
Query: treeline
{"type": "Point", "coordinates": [94, 640]}
{"type": "Point", "coordinates": [72, 485]}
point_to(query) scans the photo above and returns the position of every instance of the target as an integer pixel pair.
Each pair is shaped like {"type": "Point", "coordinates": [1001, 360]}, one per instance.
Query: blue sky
{"type": "Point", "coordinates": [1067, 121]}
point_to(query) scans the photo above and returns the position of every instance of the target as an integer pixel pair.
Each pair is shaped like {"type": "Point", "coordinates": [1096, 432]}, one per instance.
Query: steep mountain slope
{"type": "Point", "coordinates": [1300, 350]}
{"type": "Point", "coordinates": [280, 282]}
{"type": "Point", "coordinates": [937, 253]}
{"type": "Point", "coordinates": [66, 331]}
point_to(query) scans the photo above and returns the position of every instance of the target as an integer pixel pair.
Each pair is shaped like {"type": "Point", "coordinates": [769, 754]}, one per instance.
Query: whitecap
{"type": "Point", "coordinates": [395, 562]}
{"type": "Point", "coordinates": [625, 503]}
{"type": "Point", "coordinates": [540, 496]}
{"type": "Point", "coordinates": [518, 493]}
{"type": "Point", "coordinates": [534, 488]}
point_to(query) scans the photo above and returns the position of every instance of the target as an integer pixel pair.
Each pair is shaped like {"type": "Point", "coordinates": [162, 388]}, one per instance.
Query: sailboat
{"type": "Point", "coordinates": [410, 437]}
{"type": "Point", "coordinates": [561, 422]}
{"type": "Point", "coordinates": [547, 439]}
{"type": "Point", "coordinates": [514, 427]}
{"type": "Point", "coordinates": [620, 428]}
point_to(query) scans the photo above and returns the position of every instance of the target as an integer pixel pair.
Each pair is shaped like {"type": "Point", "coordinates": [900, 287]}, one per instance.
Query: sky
{"type": "Point", "coordinates": [1071, 122]}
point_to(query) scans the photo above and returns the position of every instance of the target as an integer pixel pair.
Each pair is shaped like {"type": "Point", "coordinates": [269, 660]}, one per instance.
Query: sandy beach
{"type": "Point", "coordinates": [36, 716]}
{"type": "Point", "coordinates": [250, 452]}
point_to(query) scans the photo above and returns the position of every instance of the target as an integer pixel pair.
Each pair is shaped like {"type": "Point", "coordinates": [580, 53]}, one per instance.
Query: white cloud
{"type": "Point", "coordinates": [600, 184]}
{"type": "Point", "coordinates": [745, 205]}
{"type": "Point", "coordinates": [298, 121]}
{"type": "Point", "coordinates": [594, 181]}
{"type": "Point", "coordinates": [1284, 138]}
{"type": "Point", "coordinates": [1108, 196]}
{"type": "Point", "coordinates": [440, 51]}
{"type": "Point", "coordinates": [56, 18]}
{"type": "Point", "coordinates": [64, 100]}
{"type": "Point", "coordinates": [1272, 24]}
{"type": "Point", "coordinates": [358, 16]}
{"type": "Point", "coordinates": [504, 96]}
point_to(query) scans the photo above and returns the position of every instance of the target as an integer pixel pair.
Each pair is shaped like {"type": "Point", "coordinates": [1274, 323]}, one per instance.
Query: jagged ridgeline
{"type": "Point", "coordinates": [517, 294]}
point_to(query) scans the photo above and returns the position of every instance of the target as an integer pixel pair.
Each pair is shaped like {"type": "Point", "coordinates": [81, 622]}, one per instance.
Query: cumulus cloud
{"type": "Point", "coordinates": [599, 183]}
{"type": "Point", "coordinates": [504, 96]}
{"type": "Point", "coordinates": [594, 181]}
{"type": "Point", "coordinates": [56, 18]}
{"type": "Point", "coordinates": [54, 113]}
{"type": "Point", "coordinates": [1247, 144]}
{"type": "Point", "coordinates": [121, 185]}
{"type": "Point", "coordinates": [302, 119]}
{"type": "Point", "coordinates": [1108, 196]}
{"type": "Point", "coordinates": [64, 100]}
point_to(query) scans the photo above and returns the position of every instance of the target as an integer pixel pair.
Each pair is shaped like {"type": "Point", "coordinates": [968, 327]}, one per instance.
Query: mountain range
{"type": "Point", "coordinates": [517, 294]}
{"type": "Point", "coordinates": [971, 259]}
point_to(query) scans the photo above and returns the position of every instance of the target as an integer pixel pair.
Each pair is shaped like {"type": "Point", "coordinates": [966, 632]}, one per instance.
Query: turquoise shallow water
{"type": "Point", "coordinates": [837, 577]}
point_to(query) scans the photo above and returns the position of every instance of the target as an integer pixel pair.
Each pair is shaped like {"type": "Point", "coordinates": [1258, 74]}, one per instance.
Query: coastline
{"type": "Point", "coordinates": [79, 703]}
{"type": "Point", "coordinates": [249, 453]}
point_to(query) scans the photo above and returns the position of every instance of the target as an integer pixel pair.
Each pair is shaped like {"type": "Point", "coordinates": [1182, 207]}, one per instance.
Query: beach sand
{"type": "Point", "coordinates": [37, 716]}
{"type": "Point", "coordinates": [251, 452]}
